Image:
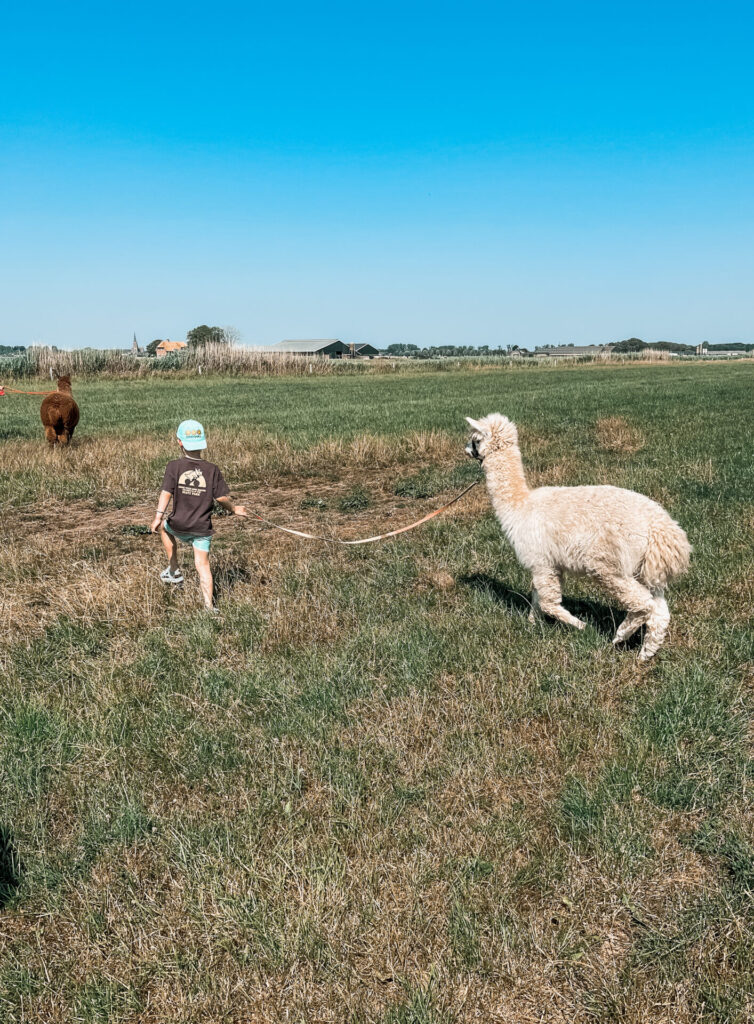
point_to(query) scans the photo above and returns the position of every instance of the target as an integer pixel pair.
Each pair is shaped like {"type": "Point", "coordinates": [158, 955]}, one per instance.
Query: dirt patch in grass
{"type": "Point", "coordinates": [106, 561]}
{"type": "Point", "coordinates": [616, 434]}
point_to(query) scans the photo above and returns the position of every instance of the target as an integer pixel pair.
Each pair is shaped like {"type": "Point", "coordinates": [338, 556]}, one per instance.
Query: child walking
{"type": "Point", "coordinates": [194, 484]}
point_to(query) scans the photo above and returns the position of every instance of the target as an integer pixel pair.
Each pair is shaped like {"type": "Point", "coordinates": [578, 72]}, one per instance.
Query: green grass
{"type": "Point", "coordinates": [309, 410]}
{"type": "Point", "coordinates": [371, 791]}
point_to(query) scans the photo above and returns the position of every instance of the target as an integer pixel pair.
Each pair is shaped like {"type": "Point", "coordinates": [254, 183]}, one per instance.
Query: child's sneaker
{"type": "Point", "coordinates": [171, 577]}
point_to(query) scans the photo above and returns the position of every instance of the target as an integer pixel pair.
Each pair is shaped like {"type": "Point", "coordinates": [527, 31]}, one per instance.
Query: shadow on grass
{"type": "Point", "coordinates": [228, 577]}
{"type": "Point", "coordinates": [10, 867]}
{"type": "Point", "coordinates": [512, 599]}
{"type": "Point", "coordinates": [602, 617]}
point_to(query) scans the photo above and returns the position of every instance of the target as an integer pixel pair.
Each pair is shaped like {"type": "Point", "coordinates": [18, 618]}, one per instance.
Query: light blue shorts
{"type": "Point", "coordinates": [200, 543]}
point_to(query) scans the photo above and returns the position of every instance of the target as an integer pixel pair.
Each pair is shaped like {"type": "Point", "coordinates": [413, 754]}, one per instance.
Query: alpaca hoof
{"type": "Point", "coordinates": [645, 656]}
{"type": "Point", "coordinates": [532, 618]}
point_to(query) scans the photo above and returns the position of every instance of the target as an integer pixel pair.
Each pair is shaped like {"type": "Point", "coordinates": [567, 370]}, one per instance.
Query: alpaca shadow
{"type": "Point", "coordinates": [10, 867]}
{"type": "Point", "coordinates": [602, 617]}
{"type": "Point", "coordinates": [512, 599]}
{"type": "Point", "coordinates": [227, 578]}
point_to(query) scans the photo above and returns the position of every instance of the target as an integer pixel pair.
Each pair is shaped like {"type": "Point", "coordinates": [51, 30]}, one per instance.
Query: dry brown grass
{"type": "Point", "coordinates": [382, 896]}
{"type": "Point", "coordinates": [616, 434]}
{"type": "Point", "coordinates": [347, 796]}
{"type": "Point", "coordinates": [117, 470]}
{"type": "Point", "coordinates": [248, 361]}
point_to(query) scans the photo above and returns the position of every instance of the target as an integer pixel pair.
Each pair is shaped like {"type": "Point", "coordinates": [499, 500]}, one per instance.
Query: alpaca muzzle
{"type": "Point", "coordinates": [472, 450]}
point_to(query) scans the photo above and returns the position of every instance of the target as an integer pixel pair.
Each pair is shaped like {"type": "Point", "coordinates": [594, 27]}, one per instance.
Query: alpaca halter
{"type": "Point", "coordinates": [475, 454]}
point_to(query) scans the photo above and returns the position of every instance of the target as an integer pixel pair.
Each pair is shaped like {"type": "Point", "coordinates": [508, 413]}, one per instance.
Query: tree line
{"type": "Point", "coordinates": [629, 345]}
{"type": "Point", "coordinates": [203, 335]}
{"type": "Point", "coordinates": [442, 351]}
{"type": "Point", "coordinates": [637, 345]}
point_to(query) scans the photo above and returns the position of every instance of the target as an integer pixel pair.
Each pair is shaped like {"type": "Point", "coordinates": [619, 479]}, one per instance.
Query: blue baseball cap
{"type": "Point", "coordinates": [191, 435]}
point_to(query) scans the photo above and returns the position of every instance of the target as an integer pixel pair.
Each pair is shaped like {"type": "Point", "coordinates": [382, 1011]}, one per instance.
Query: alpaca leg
{"type": "Point", "coordinates": [51, 436]}
{"type": "Point", "coordinates": [535, 612]}
{"type": "Point", "coordinates": [636, 599]}
{"type": "Point", "coordinates": [550, 596]}
{"type": "Point", "coordinates": [63, 437]}
{"type": "Point", "coordinates": [627, 628]}
{"type": "Point", "coordinates": [657, 627]}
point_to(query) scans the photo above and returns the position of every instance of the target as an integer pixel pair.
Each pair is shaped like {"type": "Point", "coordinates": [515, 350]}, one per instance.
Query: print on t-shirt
{"type": "Point", "coordinates": [192, 482]}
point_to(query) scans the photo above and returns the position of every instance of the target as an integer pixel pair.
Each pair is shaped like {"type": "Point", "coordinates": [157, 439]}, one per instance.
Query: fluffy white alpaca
{"type": "Point", "coordinates": [623, 539]}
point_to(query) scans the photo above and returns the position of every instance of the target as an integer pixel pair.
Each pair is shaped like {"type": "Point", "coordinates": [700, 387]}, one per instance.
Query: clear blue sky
{"type": "Point", "coordinates": [478, 173]}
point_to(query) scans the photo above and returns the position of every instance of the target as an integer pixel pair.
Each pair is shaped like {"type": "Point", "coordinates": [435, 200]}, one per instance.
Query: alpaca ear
{"type": "Point", "coordinates": [474, 424]}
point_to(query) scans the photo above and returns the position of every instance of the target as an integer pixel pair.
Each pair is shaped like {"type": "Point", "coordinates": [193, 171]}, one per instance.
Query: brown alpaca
{"type": "Point", "coordinates": [59, 413]}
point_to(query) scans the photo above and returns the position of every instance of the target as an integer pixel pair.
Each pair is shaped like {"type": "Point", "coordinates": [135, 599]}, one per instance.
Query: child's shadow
{"type": "Point", "coordinates": [10, 867]}
{"type": "Point", "coordinates": [601, 616]}
{"type": "Point", "coordinates": [228, 577]}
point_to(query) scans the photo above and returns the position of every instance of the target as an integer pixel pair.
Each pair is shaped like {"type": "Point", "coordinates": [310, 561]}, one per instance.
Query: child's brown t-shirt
{"type": "Point", "coordinates": [194, 484]}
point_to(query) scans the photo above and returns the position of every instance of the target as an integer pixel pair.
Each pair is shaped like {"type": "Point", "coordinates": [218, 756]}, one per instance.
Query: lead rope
{"type": "Point", "coordinates": [14, 391]}
{"type": "Point", "coordinates": [365, 540]}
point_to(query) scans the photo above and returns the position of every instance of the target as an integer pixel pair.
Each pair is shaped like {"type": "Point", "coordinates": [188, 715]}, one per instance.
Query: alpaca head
{"type": "Point", "coordinates": [494, 433]}
{"type": "Point", "coordinates": [64, 383]}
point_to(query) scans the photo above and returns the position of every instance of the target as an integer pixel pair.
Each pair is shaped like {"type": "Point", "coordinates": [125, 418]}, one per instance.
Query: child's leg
{"type": "Point", "coordinates": [171, 548]}
{"type": "Point", "coordinates": [201, 561]}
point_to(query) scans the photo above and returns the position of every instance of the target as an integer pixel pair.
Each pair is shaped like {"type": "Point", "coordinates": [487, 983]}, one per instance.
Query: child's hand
{"type": "Point", "coordinates": [240, 510]}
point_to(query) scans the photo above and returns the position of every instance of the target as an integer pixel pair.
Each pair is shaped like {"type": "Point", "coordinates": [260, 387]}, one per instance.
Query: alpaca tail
{"type": "Point", "coordinates": [667, 555]}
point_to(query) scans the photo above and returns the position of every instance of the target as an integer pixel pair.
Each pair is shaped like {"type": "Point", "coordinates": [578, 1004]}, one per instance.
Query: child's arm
{"type": "Point", "coordinates": [162, 506]}
{"type": "Point", "coordinates": [237, 510]}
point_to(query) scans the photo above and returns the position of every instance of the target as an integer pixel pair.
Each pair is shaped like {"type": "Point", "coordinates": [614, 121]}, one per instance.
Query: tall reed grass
{"type": "Point", "coordinates": [238, 360]}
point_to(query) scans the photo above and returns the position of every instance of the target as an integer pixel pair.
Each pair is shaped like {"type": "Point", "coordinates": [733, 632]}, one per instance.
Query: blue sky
{"type": "Point", "coordinates": [477, 173]}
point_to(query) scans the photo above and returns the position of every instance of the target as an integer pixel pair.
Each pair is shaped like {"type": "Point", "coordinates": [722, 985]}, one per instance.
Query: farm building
{"type": "Point", "coordinates": [364, 351]}
{"type": "Point", "coordinates": [723, 353]}
{"type": "Point", "coordinates": [574, 351]}
{"type": "Point", "coordinates": [166, 347]}
{"type": "Point", "coordinates": [330, 347]}
{"type": "Point", "coordinates": [720, 353]}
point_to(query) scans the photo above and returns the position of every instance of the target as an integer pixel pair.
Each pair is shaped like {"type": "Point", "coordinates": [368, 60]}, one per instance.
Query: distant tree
{"type": "Point", "coordinates": [11, 350]}
{"type": "Point", "coordinates": [204, 335]}
{"type": "Point", "coordinates": [231, 335]}
{"type": "Point", "coordinates": [152, 347]}
{"type": "Point", "coordinates": [671, 346]}
{"type": "Point", "coordinates": [735, 346]}
{"type": "Point", "coordinates": [401, 349]}
{"type": "Point", "coordinates": [630, 345]}
{"type": "Point", "coordinates": [448, 351]}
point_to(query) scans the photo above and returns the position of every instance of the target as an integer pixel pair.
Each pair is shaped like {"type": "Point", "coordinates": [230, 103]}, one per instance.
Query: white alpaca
{"type": "Point", "coordinates": [623, 539]}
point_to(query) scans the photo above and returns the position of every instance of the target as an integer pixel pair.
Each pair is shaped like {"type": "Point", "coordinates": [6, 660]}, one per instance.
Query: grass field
{"type": "Point", "coordinates": [371, 791]}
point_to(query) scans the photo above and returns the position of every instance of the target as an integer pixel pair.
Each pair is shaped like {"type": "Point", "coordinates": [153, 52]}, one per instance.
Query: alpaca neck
{"type": "Point", "coordinates": [506, 482]}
